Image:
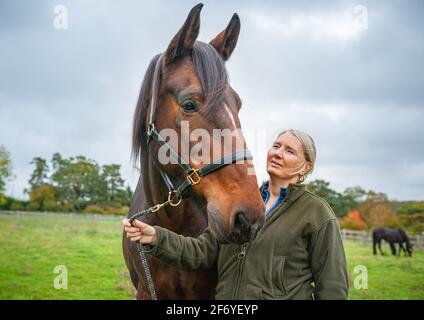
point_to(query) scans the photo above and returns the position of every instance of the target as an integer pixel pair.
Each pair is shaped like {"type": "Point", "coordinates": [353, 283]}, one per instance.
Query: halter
{"type": "Point", "coordinates": [193, 175]}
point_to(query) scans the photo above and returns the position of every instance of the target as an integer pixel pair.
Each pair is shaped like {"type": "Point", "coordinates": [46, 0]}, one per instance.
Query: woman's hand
{"type": "Point", "coordinates": [139, 231]}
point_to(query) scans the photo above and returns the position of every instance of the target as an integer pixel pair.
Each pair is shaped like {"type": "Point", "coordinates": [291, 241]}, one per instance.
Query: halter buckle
{"type": "Point", "coordinates": [196, 179]}
{"type": "Point", "coordinates": [170, 200]}
{"type": "Point", "coordinates": [150, 129]}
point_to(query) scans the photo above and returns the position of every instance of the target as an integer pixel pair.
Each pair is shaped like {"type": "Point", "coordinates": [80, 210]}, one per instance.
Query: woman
{"type": "Point", "coordinates": [296, 254]}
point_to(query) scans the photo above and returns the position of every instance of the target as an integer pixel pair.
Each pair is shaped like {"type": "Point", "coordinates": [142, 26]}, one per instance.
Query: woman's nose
{"type": "Point", "coordinates": [277, 154]}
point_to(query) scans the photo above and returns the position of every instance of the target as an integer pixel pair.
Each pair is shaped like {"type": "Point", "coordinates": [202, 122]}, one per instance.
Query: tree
{"type": "Point", "coordinates": [77, 180]}
{"type": "Point", "coordinates": [116, 192]}
{"type": "Point", "coordinates": [376, 197]}
{"type": "Point", "coordinates": [77, 183]}
{"type": "Point", "coordinates": [340, 203]}
{"type": "Point", "coordinates": [43, 197]}
{"type": "Point", "coordinates": [411, 208]}
{"type": "Point", "coordinates": [378, 214]}
{"type": "Point", "coordinates": [40, 174]}
{"type": "Point", "coordinates": [5, 168]}
{"type": "Point", "coordinates": [357, 194]}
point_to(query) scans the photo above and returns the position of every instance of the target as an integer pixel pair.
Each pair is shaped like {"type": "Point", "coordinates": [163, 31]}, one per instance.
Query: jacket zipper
{"type": "Point", "coordinates": [240, 258]}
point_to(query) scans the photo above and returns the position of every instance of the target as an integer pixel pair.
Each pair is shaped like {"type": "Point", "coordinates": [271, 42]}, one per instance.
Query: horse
{"type": "Point", "coordinates": [392, 236]}
{"type": "Point", "coordinates": [188, 82]}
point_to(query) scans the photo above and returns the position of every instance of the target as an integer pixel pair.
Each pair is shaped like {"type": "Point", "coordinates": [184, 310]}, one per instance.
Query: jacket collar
{"type": "Point", "coordinates": [294, 192]}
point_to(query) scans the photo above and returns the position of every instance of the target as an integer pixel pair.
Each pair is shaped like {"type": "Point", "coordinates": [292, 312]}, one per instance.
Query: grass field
{"type": "Point", "coordinates": [31, 246]}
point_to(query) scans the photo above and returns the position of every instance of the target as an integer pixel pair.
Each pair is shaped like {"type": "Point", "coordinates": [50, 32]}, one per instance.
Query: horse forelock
{"type": "Point", "coordinates": [210, 69]}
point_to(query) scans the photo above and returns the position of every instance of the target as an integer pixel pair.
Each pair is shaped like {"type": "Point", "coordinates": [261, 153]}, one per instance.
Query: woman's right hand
{"type": "Point", "coordinates": [139, 231]}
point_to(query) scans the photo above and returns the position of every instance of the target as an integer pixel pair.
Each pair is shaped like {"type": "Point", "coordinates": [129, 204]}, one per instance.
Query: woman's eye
{"type": "Point", "coordinates": [289, 151]}
{"type": "Point", "coordinates": [189, 106]}
{"type": "Point", "coordinates": [275, 146]}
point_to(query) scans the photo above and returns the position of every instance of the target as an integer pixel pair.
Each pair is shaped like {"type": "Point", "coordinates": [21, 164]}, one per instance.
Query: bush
{"type": "Point", "coordinates": [352, 221]}
{"type": "Point", "coordinates": [123, 211]}
{"type": "Point", "coordinates": [67, 207]}
{"type": "Point", "coordinates": [93, 209]}
{"type": "Point", "coordinates": [3, 200]}
{"type": "Point", "coordinates": [6, 203]}
{"type": "Point", "coordinates": [52, 206]}
{"type": "Point", "coordinates": [33, 206]}
{"type": "Point", "coordinates": [17, 207]}
{"type": "Point", "coordinates": [411, 208]}
{"type": "Point", "coordinates": [413, 222]}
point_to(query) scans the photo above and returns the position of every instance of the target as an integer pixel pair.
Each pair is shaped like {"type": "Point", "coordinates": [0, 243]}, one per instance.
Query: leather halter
{"type": "Point", "coordinates": [193, 175]}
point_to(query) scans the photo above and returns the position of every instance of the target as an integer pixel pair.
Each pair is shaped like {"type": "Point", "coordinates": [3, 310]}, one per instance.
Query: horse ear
{"type": "Point", "coordinates": [184, 40]}
{"type": "Point", "coordinates": [226, 41]}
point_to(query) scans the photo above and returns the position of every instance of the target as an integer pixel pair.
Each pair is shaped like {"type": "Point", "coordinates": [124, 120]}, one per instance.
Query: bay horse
{"type": "Point", "coordinates": [188, 82]}
{"type": "Point", "coordinates": [392, 236]}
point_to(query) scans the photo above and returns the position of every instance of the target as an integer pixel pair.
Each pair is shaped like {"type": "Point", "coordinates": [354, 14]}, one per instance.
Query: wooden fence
{"type": "Point", "coordinates": [70, 215]}
{"type": "Point", "coordinates": [366, 237]}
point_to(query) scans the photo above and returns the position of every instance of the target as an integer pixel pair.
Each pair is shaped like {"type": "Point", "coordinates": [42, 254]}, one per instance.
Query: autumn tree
{"type": "Point", "coordinates": [353, 221]}
{"type": "Point", "coordinates": [43, 198]}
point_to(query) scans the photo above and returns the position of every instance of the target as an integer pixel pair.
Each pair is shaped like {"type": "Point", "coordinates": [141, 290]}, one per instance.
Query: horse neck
{"type": "Point", "coordinates": [189, 218]}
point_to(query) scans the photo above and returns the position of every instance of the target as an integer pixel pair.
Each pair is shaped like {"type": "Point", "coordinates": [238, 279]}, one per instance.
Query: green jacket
{"type": "Point", "coordinates": [297, 254]}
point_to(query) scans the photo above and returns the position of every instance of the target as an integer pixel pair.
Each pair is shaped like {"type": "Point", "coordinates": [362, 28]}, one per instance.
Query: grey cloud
{"type": "Point", "coordinates": [75, 91]}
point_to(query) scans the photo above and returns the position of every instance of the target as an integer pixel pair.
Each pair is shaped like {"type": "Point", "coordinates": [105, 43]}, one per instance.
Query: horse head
{"type": "Point", "coordinates": [196, 109]}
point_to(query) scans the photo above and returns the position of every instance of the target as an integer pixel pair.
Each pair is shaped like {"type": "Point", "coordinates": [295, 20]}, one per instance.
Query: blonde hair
{"type": "Point", "coordinates": [308, 145]}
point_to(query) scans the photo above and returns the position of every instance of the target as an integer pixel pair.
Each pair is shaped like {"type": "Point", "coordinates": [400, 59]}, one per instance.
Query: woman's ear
{"type": "Point", "coordinates": [308, 167]}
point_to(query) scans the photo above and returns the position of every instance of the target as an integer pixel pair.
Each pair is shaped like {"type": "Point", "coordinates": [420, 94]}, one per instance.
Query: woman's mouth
{"type": "Point", "coordinates": [276, 164]}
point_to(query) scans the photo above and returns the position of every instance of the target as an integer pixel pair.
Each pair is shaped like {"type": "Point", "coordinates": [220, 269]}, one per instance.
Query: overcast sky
{"type": "Point", "coordinates": [349, 73]}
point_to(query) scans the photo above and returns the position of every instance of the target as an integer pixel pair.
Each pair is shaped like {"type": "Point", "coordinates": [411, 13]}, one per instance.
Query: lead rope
{"type": "Point", "coordinates": [140, 247]}
{"type": "Point", "coordinates": [144, 262]}
{"type": "Point", "coordinates": [147, 271]}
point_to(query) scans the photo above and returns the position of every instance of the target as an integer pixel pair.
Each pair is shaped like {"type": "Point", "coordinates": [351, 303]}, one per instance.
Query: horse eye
{"type": "Point", "coordinates": [189, 106]}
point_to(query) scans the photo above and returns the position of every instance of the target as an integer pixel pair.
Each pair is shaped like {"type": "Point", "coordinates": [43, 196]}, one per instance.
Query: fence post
{"type": "Point", "coordinates": [419, 242]}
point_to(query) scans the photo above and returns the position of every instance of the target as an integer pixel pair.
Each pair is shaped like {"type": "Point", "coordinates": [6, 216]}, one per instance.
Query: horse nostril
{"type": "Point", "coordinates": [242, 226]}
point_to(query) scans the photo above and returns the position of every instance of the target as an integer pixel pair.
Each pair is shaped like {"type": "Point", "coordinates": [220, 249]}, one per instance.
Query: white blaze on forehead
{"type": "Point", "coordinates": [234, 126]}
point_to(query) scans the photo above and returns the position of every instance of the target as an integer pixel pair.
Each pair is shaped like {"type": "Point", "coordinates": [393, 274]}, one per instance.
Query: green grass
{"type": "Point", "coordinates": [389, 277]}
{"type": "Point", "coordinates": [31, 246]}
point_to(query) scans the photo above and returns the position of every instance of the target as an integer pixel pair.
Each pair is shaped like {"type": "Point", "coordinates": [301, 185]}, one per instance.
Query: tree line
{"type": "Point", "coordinates": [79, 184]}
{"type": "Point", "coordinates": [359, 209]}
{"type": "Point", "coordinates": [74, 184]}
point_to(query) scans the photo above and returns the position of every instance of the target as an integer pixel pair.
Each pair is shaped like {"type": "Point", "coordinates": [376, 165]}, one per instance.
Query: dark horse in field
{"type": "Point", "coordinates": [191, 86]}
{"type": "Point", "coordinates": [392, 236]}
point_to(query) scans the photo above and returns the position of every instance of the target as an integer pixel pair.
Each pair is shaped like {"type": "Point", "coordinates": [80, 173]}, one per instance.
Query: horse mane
{"type": "Point", "coordinates": [212, 74]}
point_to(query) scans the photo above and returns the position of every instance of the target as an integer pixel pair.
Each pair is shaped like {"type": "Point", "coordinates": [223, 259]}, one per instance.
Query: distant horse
{"type": "Point", "coordinates": [392, 236]}
{"type": "Point", "coordinates": [189, 83]}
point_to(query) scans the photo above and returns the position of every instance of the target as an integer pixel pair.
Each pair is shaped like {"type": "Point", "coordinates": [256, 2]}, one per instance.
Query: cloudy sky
{"type": "Point", "coordinates": [349, 73]}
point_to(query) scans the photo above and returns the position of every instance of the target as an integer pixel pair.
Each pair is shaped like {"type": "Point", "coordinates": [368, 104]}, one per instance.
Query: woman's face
{"type": "Point", "coordinates": [286, 158]}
